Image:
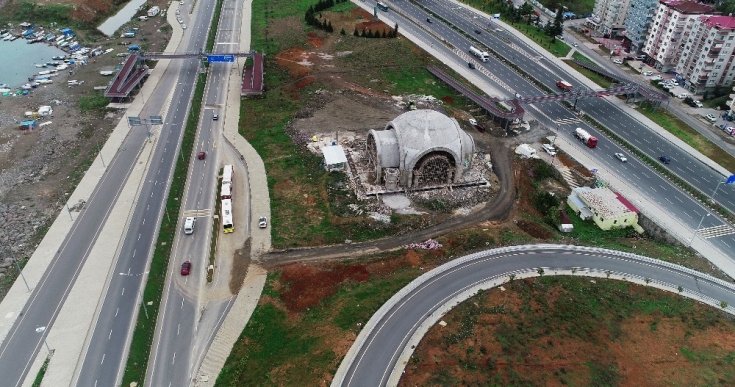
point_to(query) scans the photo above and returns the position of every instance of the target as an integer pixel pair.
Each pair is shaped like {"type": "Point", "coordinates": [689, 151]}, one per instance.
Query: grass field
{"type": "Point", "coordinates": [604, 82]}
{"type": "Point", "coordinates": [574, 331]}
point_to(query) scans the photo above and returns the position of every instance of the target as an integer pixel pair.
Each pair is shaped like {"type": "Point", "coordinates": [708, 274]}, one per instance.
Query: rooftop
{"type": "Point", "coordinates": [721, 22]}
{"type": "Point", "coordinates": [334, 154]}
{"type": "Point", "coordinates": [689, 7]}
{"type": "Point", "coordinates": [605, 202]}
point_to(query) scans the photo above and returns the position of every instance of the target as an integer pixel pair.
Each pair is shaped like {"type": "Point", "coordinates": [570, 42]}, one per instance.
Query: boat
{"type": "Point", "coordinates": [8, 37]}
{"type": "Point", "coordinates": [26, 86]}
{"type": "Point", "coordinates": [46, 72]}
{"type": "Point", "coordinates": [4, 90]}
{"type": "Point", "coordinates": [13, 38]}
{"type": "Point", "coordinates": [59, 57]}
{"type": "Point", "coordinates": [40, 66]}
{"type": "Point", "coordinates": [64, 44]}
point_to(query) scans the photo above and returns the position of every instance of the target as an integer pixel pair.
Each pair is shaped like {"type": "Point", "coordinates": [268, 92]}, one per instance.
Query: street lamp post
{"type": "Point", "coordinates": [694, 234]}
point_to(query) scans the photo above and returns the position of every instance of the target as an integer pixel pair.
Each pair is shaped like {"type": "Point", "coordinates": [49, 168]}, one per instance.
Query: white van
{"type": "Point", "coordinates": [189, 225]}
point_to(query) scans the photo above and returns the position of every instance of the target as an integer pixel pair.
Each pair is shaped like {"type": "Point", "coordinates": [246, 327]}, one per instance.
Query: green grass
{"type": "Point", "coordinates": [601, 80]}
{"type": "Point", "coordinates": [41, 373]}
{"type": "Point", "coordinates": [295, 345]}
{"type": "Point", "coordinates": [716, 102]}
{"type": "Point", "coordinates": [554, 46]}
{"type": "Point", "coordinates": [690, 136]}
{"type": "Point", "coordinates": [21, 11]}
{"type": "Point", "coordinates": [580, 7]}
{"type": "Point", "coordinates": [137, 362]}
{"type": "Point", "coordinates": [95, 102]}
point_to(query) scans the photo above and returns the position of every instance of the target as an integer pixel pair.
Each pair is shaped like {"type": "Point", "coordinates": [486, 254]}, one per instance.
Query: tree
{"type": "Point", "coordinates": [526, 11]}
{"type": "Point", "coordinates": [329, 27]}
{"type": "Point", "coordinates": [342, 32]}
{"type": "Point", "coordinates": [382, 34]}
{"type": "Point", "coordinates": [395, 30]}
{"type": "Point", "coordinates": [557, 27]}
{"type": "Point", "coordinates": [356, 33]}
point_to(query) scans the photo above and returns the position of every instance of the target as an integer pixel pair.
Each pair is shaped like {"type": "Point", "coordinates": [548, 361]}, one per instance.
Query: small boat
{"type": "Point", "coordinates": [8, 37]}
{"type": "Point", "coordinates": [26, 86]}
{"type": "Point", "coordinates": [13, 38]}
{"type": "Point", "coordinates": [4, 90]}
{"type": "Point", "coordinates": [58, 57]}
{"type": "Point", "coordinates": [40, 66]}
{"type": "Point", "coordinates": [45, 72]}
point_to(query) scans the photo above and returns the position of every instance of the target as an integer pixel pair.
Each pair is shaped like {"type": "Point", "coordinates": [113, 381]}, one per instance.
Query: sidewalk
{"type": "Point", "coordinates": [249, 294]}
{"type": "Point", "coordinates": [73, 324]}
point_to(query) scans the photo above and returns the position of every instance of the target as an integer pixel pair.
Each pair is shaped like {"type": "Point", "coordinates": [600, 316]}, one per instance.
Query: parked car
{"type": "Point", "coordinates": [186, 268]}
{"type": "Point", "coordinates": [617, 61]}
{"type": "Point", "coordinates": [548, 148]}
{"type": "Point", "coordinates": [698, 104]}
{"type": "Point", "coordinates": [477, 31]}
{"type": "Point", "coordinates": [202, 155]}
{"type": "Point", "coordinates": [473, 121]}
{"type": "Point", "coordinates": [262, 222]}
{"type": "Point", "coordinates": [647, 73]}
{"type": "Point", "coordinates": [471, 65]}
{"type": "Point", "coordinates": [664, 159]}
{"type": "Point", "coordinates": [656, 78]}
{"type": "Point", "coordinates": [621, 157]}
{"type": "Point", "coordinates": [682, 95]}
{"type": "Point", "coordinates": [711, 117]}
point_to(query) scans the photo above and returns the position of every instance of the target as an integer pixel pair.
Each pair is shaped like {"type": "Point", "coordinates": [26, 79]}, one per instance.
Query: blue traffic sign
{"type": "Point", "coordinates": [220, 58]}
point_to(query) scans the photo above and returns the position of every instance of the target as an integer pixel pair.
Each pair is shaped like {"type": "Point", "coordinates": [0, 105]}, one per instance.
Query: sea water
{"type": "Point", "coordinates": [18, 59]}
{"type": "Point", "coordinates": [114, 22]}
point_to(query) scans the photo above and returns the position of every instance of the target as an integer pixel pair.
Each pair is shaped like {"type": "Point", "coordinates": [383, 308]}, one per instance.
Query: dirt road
{"type": "Point", "coordinates": [498, 209]}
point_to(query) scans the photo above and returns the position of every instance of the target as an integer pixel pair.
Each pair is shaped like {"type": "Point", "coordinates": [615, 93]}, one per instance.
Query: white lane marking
{"type": "Point", "coordinates": [178, 328]}
{"type": "Point", "coordinates": [110, 335]}
{"type": "Point", "coordinates": [123, 292]}
{"type": "Point", "coordinates": [116, 310]}
{"type": "Point", "coordinates": [103, 358]}
{"type": "Point", "coordinates": [173, 360]}
{"type": "Point", "coordinates": [139, 236]}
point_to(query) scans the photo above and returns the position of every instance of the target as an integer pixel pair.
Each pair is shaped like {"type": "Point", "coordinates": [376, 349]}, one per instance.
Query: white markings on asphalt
{"type": "Point", "coordinates": [110, 335]}
{"type": "Point", "coordinates": [173, 359]}
{"type": "Point", "coordinates": [116, 310]}
{"type": "Point", "coordinates": [103, 358]}
{"type": "Point", "coordinates": [123, 292]}
{"type": "Point", "coordinates": [134, 251]}
{"type": "Point", "coordinates": [139, 236]}
{"type": "Point", "coordinates": [679, 199]}
{"type": "Point", "coordinates": [143, 220]}
{"type": "Point", "coordinates": [178, 328]}
{"type": "Point", "coordinates": [668, 200]}
{"type": "Point", "coordinates": [182, 303]}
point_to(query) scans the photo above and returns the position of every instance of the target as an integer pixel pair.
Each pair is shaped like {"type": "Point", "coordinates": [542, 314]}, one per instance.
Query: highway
{"type": "Point", "coordinates": [514, 50]}
{"type": "Point", "coordinates": [27, 335]}
{"type": "Point", "coordinates": [384, 337]}
{"type": "Point", "coordinates": [106, 354]}
{"type": "Point", "coordinates": [181, 339]}
{"type": "Point", "coordinates": [555, 115]}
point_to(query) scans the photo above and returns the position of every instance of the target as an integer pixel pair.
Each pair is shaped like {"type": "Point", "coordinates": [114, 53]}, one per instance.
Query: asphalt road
{"type": "Point", "coordinates": [106, 354]}
{"type": "Point", "coordinates": [379, 352]}
{"type": "Point", "coordinates": [687, 210]}
{"type": "Point", "coordinates": [27, 335]}
{"type": "Point", "coordinates": [174, 354]}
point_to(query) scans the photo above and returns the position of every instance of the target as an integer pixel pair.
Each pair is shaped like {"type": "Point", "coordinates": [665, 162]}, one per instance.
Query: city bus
{"type": "Point", "coordinates": [227, 174]}
{"type": "Point", "coordinates": [226, 192]}
{"type": "Point", "coordinates": [227, 224]}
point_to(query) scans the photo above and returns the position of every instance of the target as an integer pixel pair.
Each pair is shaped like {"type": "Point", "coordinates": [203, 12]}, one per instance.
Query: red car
{"type": "Point", "coordinates": [202, 155]}
{"type": "Point", "coordinates": [185, 268]}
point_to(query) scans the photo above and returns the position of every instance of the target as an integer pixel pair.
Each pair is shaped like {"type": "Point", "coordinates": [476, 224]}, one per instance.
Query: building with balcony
{"type": "Point", "coordinates": [706, 61]}
{"type": "Point", "coordinates": [608, 16]}
{"type": "Point", "coordinates": [671, 25]}
{"type": "Point", "coordinates": [640, 15]}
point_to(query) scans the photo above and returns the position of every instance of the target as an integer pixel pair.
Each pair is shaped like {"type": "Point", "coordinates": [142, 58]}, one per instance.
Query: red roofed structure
{"type": "Point", "coordinates": [126, 80]}
{"type": "Point", "coordinates": [252, 77]}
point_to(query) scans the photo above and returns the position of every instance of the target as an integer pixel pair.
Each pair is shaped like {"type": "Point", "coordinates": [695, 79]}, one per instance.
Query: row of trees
{"type": "Point", "coordinates": [528, 14]}
{"type": "Point", "coordinates": [318, 22]}
{"type": "Point", "coordinates": [375, 34]}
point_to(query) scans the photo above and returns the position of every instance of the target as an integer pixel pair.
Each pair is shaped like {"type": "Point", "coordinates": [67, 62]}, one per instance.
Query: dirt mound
{"type": "Point", "coordinates": [534, 229]}
{"type": "Point", "coordinates": [309, 285]}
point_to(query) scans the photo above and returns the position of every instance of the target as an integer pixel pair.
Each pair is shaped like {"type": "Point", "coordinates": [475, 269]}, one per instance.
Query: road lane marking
{"type": "Point", "coordinates": [139, 236]}
{"type": "Point", "coordinates": [116, 310]}
{"type": "Point", "coordinates": [110, 335]}
{"type": "Point", "coordinates": [173, 360]}
{"type": "Point", "coordinates": [103, 358]}
{"type": "Point", "coordinates": [123, 292]}
{"type": "Point", "coordinates": [178, 328]}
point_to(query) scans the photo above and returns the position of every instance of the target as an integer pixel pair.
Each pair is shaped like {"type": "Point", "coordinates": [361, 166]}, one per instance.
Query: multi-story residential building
{"type": "Point", "coordinates": [608, 16]}
{"type": "Point", "coordinates": [709, 52]}
{"type": "Point", "coordinates": [638, 21]}
{"type": "Point", "coordinates": [671, 25]}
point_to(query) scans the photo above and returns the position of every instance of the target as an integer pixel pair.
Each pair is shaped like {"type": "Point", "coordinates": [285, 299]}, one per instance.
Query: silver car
{"type": "Point", "coordinates": [621, 157]}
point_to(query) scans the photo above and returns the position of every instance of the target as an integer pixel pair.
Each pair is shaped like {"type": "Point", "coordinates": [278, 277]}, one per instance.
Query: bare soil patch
{"type": "Point", "coordinates": [536, 333]}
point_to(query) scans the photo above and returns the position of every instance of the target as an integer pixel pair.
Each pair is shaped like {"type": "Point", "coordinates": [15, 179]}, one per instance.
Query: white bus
{"type": "Point", "coordinates": [482, 55]}
{"type": "Point", "coordinates": [226, 192]}
{"type": "Point", "coordinates": [227, 174]}
{"type": "Point", "coordinates": [227, 224]}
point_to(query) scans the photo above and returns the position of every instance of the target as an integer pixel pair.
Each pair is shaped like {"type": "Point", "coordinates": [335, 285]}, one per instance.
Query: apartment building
{"type": "Point", "coordinates": [608, 16]}
{"type": "Point", "coordinates": [671, 25]}
{"type": "Point", "coordinates": [707, 58]}
{"type": "Point", "coordinates": [638, 21]}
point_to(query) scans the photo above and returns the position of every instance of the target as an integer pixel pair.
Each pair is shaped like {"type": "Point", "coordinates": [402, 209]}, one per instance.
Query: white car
{"type": "Point", "coordinates": [548, 148]}
{"type": "Point", "coordinates": [647, 73]}
{"type": "Point", "coordinates": [682, 95]}
{"type": "Point", "coordinates": [473, 122]}
{"type": "Point", "coordinates": [711, 117]}
{"type": "Point", "coordinates": [617, 61]}
{"type": "Point", "coordinates": [183, 26]}
{"type": "Point", "coordinates": [698, 104]}
{"type": "Point", "coordinates": [262, 222]}
{"type": "Point", "coordinates": [656, 78]}
{"type": "Point", "coordinates": [621, 157]}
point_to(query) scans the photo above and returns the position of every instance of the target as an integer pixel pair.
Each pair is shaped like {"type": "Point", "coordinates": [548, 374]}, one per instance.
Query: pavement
{"type": "Point", "coordinates": [66, 338]}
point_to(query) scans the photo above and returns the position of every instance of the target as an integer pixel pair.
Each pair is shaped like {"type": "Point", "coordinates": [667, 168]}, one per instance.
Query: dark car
{"type": "Point", "coordinates": [186, 268]}
{"type": "Point", "coordinates": [478, 31]}
{"type": "Point", "coordinates": [428, 20]}
{"type": "Point", "coordinates": [471, 65]}
{"type": "Point", "coordinates": [664, 159]}
{"type": "Point", "coordinates": [215, 117]}
{"type": "Point", "coordinates": [202, 155]}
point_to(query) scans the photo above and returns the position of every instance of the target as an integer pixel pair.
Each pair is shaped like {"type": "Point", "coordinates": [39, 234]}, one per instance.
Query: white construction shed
{"type": "Point", "coordinates": [334, 158]}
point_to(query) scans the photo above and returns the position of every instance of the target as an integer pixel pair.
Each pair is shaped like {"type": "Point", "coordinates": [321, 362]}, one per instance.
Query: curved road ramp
{"type": "Point", "coordinates": [384, 346]}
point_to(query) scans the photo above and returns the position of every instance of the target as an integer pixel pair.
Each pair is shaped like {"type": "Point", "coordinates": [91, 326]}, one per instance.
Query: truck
{"type": "Point", "coordinates": [482, 55]}
{"type": "Point", "coordinates": [585, 137]}
{"type": "Point", "coordinates": [564, 85]}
